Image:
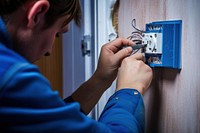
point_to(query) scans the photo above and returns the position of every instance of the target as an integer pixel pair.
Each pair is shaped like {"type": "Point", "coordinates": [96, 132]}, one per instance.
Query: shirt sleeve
{"type": "Point", "coordinates": [27, 104]}
{"type": "Point", "coordinates": [124, 112]}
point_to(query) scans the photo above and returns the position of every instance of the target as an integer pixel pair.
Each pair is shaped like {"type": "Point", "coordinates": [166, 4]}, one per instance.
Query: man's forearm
{"type": "Point", "coordinates": [89, 93]}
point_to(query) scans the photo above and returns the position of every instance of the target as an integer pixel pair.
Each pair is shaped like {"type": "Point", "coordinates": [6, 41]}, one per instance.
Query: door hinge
{"type": "Point", "coordinates": [86, 45]}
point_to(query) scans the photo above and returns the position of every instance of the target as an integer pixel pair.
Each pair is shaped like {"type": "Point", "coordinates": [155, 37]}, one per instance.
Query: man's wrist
{"type": "Point", "coordinates": [140, 89]}
{"type": "Point", "coordinates": [101, 81]}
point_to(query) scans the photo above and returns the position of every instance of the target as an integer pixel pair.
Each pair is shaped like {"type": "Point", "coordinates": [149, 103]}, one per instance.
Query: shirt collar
{"type": "Point", "coordinates": [4, 35]}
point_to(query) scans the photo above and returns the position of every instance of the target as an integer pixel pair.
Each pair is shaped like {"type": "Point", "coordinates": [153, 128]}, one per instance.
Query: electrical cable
{"type": "Point", "coordinates": [136, 37]}
{"type": "Point", "coordinates": [134, 26]}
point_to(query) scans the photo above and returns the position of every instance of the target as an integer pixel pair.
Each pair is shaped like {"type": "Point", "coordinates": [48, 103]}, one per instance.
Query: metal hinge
{"type": "Point", "coordinates": [86, 45]}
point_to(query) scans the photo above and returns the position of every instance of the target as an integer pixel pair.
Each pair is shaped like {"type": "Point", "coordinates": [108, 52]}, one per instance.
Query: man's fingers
{"type": "Point", "coordinates": [119, 43]}
{"type": "Point", "coordinates": [120, 55]}
{"type": "Point", "coordinates": [138, 56]}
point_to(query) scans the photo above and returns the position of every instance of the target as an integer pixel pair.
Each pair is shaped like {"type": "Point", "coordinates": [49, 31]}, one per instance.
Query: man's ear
{"type": "Point", "coordinates": [36, 12]}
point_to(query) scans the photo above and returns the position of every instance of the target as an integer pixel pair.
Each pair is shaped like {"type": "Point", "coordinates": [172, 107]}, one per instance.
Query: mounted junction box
{"type": "Point", "coordinates": [163, 39]}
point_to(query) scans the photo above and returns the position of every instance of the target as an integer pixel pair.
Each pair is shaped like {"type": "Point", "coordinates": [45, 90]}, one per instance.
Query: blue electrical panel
{"type": "Point", "coordinates": [163, 39]}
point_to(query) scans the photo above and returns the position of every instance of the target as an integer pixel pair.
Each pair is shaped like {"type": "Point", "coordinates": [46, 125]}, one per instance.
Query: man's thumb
{"type": "Point", "coordinates": [120, 55]}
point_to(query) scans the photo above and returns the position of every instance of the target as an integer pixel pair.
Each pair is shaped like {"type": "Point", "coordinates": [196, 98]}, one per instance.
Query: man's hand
{"type": "Point", "coordinates": [110, 59]}
{"type": "Point", "coordinates": [134, 73]}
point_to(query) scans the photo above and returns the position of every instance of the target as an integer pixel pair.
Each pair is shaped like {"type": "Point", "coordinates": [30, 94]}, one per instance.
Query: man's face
{"type": "Point", "coordinates": [29, 36]}
{"type": "Point", "coordinates": [42, 40]}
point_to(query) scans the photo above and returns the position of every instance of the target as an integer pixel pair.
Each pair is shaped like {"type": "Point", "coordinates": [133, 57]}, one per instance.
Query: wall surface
{"type": "Point", "coordinates": [173, 100]}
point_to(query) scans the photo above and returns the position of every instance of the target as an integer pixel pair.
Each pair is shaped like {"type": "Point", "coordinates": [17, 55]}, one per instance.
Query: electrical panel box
{"type": "Point", "coordinates": [163, 40]}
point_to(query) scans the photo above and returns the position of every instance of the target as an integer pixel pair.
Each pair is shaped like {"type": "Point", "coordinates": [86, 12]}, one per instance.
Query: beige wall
{"type": "Point", "coordinates": [173, 101]}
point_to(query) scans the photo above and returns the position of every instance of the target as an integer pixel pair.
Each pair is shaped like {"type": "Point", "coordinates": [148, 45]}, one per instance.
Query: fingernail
{"type": "Point", "coordinates": [129, 49]}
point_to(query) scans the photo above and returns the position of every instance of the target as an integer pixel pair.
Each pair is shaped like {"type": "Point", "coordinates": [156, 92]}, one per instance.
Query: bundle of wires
{"type": "Point", "coordinates": [136, 37]}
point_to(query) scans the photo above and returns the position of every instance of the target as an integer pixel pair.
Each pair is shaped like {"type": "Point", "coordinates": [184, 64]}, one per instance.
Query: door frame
{"type": "Point", "coordinates": [96, 30]}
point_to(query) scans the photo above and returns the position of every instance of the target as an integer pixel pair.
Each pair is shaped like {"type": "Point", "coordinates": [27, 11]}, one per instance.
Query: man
{"type": "Point", "coordinates": [27, 103]}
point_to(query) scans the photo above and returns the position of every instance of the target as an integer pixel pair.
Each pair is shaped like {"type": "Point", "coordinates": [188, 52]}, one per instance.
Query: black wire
{"type": "Point", "coordinates": [138, 45]}
{"type": "Point", "coordinates": [133, 25]}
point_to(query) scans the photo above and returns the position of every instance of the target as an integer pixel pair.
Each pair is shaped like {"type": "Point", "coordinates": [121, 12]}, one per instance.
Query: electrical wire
{"type": "Point", "coordinates": [133, 23]}
{"type": "Point", "coordinates": [136, 37]}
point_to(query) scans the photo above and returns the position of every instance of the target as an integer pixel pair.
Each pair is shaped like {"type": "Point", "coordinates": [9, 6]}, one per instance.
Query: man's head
{"type": "Point", "coordinates": [33, 24]}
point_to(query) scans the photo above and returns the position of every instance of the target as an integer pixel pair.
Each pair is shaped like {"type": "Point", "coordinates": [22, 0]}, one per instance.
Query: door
{"type": "Point", "coordinates": [103, 31]}
{"type": "Point", "coordinates": [82, 45]}
{"type": "Point", "coordinates": [77, 52]}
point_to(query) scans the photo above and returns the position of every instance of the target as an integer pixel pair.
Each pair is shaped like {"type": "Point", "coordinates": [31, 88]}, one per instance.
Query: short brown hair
{"type": "Point", "coordinates": [58, 8]}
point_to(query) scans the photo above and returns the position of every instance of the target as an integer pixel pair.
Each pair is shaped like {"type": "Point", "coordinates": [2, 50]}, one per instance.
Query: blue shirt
{"type": "Point", "coordinates": [28, 104]}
